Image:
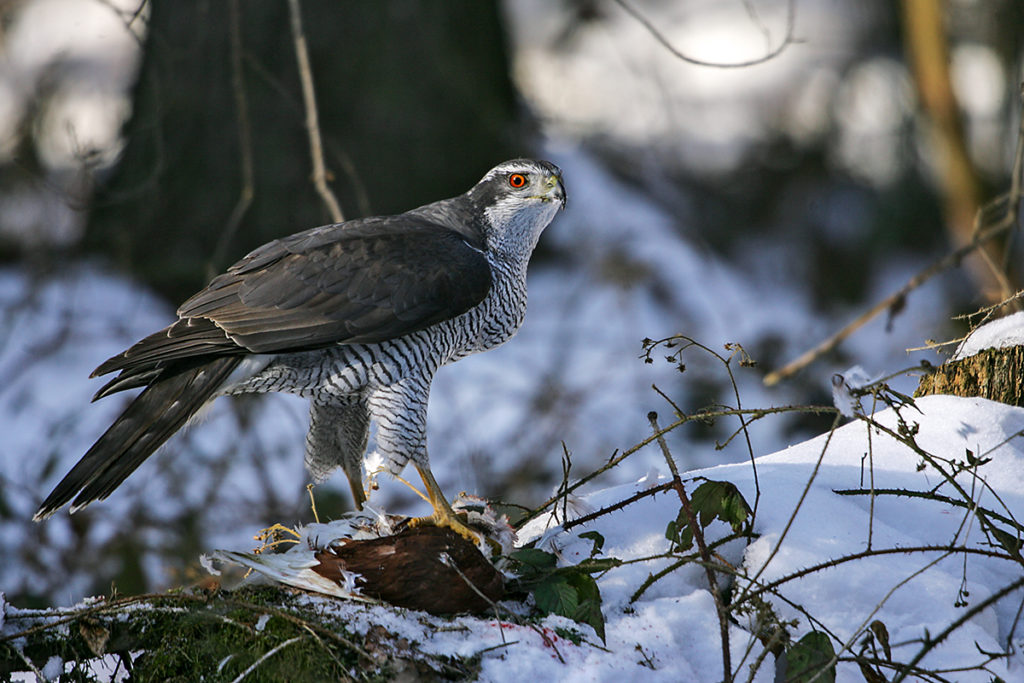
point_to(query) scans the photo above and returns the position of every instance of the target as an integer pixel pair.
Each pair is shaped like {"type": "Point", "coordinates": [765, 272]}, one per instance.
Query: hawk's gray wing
{"type": "Point", "coordinates": [362, 281]}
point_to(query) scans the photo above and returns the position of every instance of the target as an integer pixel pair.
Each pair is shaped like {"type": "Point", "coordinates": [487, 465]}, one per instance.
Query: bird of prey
{"type": "Point", "coordinates": [356, 316]}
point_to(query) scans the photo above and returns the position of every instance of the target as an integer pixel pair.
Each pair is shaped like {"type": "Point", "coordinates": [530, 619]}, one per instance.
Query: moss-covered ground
{"type": "Point", "coordinates": [256, 634]}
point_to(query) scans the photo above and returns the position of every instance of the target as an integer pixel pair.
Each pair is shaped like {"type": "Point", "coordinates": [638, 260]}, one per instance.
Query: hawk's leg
{"type": "Point", "coordinates": [401, 412]}
{"type": "Point", "coordinates": [338, 430]}
{"type": "Point", "coordinates": [443, 515]}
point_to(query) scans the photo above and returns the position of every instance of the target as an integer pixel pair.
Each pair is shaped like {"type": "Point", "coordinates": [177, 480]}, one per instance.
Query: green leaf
{"type": "Point", "coordinates": [809, 656]}
{"type": "Point", "coordinates": [679, 533]}
{"type": "Point", "coordinates": [598, 540]}
{"type": "Point", "coordinates": [686, 538]}
{"type": "Point", "coordinates": [720, 500]}
{"type": "Point", "coordinates": [1009, 542]}
{"type": "Point", "coordinates": [588, 609]}
{"type": "Point", "coordinates": [534, 564]}
{"type": "Point", "coordinates": [556, 596]}
{"type": "Point", "coordinates": [596, 565]}
{"type": "Point", "coordinates": [532, 557]}
{"type": "Point", "coordinates": [585, 586]}
{"type": "Point", "coordinates": [882, 636]}
{"type": "Point", "coordinates": [566, 591]}
{"type": "Point", "coordinates": [710, 501]}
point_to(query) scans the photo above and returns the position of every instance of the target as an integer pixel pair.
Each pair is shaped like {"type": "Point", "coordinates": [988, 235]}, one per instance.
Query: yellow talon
{"type": "Point", "coordinates": [312, 503]}
{"type": "Point", "coordinates": [451, 521]}
{"type": "Point", "coordinates": [443, 515]}
{"type": "Point", "coordinates": [275, 535]}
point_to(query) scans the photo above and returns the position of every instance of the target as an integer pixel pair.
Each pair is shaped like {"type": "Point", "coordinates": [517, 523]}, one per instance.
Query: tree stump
{"type": "Point", "coordinates": [996, 374]}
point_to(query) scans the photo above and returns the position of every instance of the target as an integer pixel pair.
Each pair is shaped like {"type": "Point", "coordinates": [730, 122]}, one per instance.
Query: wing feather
{"type": "Point", "coordinates": [359, 282]}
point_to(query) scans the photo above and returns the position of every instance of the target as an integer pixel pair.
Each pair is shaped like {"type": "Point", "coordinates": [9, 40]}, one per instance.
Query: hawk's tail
{"type": "Point", "coordinates": [159, 411]}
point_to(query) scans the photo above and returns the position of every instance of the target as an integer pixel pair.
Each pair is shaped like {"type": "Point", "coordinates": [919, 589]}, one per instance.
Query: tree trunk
{"type": "Point", "coordinates": [415, 103]}
{"type": "Point", "coordinates": [996, 374]}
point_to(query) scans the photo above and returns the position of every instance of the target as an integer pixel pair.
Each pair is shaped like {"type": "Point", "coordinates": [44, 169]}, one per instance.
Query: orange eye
{"type": "Point", "coordinates": [517, 180]}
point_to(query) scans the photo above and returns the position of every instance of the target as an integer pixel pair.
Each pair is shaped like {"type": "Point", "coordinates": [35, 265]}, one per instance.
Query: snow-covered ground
{"type": "Point", "coordinates": [913, 594]}
{"type": "Point", "coordinates": [670, 633]}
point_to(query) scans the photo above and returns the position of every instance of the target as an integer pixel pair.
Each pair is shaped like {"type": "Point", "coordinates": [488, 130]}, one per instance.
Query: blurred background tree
{"type": "Point", "coordinates": [416, 103]}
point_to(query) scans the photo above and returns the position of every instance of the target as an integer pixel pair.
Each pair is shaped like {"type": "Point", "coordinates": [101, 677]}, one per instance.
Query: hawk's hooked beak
{"type": "Point", "coordinates": [554, 189]}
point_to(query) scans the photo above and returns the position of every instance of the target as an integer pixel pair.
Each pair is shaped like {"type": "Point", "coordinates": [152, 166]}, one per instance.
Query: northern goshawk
{"type": "Point", "coordinates": [357, 317]}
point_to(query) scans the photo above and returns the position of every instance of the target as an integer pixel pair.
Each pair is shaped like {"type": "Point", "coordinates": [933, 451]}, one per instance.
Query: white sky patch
{"type": "Point", "coordinates": [612, 79]}
{"type": "Point", "coordinates": [979, 79]}
{"type": "Point", "coordinates": [90, 55]}
{"type": "Point", "coordinates": [874, 102]}
{"type": "Point", "coordinates": [980, 83]}
{"type": "Point", "coordinates": [82, 123]}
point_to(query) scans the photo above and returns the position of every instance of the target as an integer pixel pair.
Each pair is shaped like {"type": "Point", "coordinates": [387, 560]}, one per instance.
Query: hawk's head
{"type": "Point", "coordinates": [518, 198]}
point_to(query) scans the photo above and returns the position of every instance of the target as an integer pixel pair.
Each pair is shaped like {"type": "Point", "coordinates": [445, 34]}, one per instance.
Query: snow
{"type": "Point", "coordinates": [997, 334]}
{"type": "Point", "coordinates": [845, 389]}
{"type": "Point", "coordinates": [847, 597]}
{"type": "Point", "coordinates": [671, 632]}
{"type": "Point", "coordinates": [675, 624]}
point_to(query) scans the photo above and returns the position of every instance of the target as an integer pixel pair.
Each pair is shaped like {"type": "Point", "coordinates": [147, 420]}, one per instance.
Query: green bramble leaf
{"type": "Point", "coordinates": [571, 591]}
{"type": "Point", "coordinates": [598, 540]}
{"type": "Point", "coordinates": [533, 564]}
{"type": "Point", "coordinates": [556, 596]}
{"type": "Point", "coordinates": [1009, 542]}
{"type": "Point", "coordinates": [532, 557]}
{"type": "Point", "coordinates": [808, 658]}
{"type": "Point", "coordinates": [720, 500]}
{"type": "Point", "coordinates": [588, 609]}
{"type": "Point", "coordinates": [710, 501]}
{"type": "Point", "coordinates": [678, 531]}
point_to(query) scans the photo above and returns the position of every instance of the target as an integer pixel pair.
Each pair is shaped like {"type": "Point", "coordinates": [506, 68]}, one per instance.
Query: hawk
{"type": "Point", "coordinates": [356, 317]}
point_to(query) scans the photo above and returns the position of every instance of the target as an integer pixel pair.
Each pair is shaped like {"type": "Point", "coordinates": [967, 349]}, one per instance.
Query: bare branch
{"type": "Point", "coordinates": [248, 189]}
{"type": "Point", "coordinates": [772, 54]}
{"type": "Point", "coordinates": [312, 121]}
{"type": "Point", "coordinates": [705, 556]}
{"type": "Point", "coordinates": [984, 231]}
